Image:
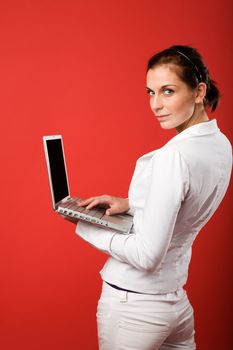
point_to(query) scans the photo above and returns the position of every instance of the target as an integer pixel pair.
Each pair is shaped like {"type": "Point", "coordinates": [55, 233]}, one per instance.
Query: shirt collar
{"type": "Point", "coordinates": [205, 128]}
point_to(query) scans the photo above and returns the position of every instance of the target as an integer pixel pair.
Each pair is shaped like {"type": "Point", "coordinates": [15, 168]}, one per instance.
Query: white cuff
{"type": "Point", "coordinates": [98, 237]}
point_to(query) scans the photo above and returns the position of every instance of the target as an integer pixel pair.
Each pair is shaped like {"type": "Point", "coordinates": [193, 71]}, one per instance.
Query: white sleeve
{"type": "Point", "coordinates": [145, 249]}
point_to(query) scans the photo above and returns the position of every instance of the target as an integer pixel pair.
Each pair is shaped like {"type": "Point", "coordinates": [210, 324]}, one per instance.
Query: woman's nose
{"type": "Point", "coordinates": [156, 103]}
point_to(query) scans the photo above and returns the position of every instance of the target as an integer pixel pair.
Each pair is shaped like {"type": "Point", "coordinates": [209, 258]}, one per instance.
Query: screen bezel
{"type": "Point", "coordinates": [54, 137]}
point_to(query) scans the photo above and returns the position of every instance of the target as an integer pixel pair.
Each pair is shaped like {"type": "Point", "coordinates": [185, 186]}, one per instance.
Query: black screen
{"type": "Point", "coordinates": [57, 169]}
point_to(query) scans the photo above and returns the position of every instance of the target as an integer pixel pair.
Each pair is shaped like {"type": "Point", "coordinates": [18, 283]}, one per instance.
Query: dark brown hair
{"type": "Point", "coordinates": [192, 70]}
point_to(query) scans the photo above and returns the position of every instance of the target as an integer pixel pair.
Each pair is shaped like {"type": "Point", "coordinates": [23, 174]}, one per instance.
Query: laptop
{"type": "Point", "coordinates": [66, 205]}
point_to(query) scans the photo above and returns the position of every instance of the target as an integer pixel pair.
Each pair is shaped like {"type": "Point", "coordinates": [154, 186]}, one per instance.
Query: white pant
{"type": "Point", "coordinates": [132, 321]}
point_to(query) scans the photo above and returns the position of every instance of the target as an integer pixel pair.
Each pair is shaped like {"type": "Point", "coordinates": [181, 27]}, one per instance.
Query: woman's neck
{"type": "Point", "coordinates": [199, 116]}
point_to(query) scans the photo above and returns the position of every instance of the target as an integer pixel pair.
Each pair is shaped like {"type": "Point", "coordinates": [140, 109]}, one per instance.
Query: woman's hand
{"type": "Point", "coordinates": [114, 205]}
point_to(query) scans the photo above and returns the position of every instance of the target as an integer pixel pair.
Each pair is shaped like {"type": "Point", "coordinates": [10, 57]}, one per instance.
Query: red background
{"type": "Point", "coordinates": [78, 68]}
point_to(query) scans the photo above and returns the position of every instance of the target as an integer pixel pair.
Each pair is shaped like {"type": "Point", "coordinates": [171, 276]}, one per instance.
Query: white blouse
{"type": "Point", "coordinates": [173, 193]}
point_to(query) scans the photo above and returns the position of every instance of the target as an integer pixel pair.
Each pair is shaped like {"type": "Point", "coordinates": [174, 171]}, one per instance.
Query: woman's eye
{"type": "Point", "coordinates": [167, 91]}
{"type": "Point", "coordinates": [150, 92]}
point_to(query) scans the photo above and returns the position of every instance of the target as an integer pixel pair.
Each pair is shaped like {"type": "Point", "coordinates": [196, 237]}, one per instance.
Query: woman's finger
{"type": "Point", "coordinates": [114, 205]}
{"type": "Point", "coordinates": [101, 201]}
{"type": "Point", "coordinates": [84, 202]}
{"type": "Point", "coordinates": [113, 209]}
{"type": "Point", "coordinates": [93, 201]}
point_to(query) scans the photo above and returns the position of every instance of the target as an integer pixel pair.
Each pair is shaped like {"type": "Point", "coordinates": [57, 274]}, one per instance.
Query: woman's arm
{"type": "Point", "coordinates": [154, 225]}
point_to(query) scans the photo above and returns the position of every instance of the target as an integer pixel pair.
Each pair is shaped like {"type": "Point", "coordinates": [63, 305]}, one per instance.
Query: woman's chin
{"type": "Point", "coordinates": [166, 125]}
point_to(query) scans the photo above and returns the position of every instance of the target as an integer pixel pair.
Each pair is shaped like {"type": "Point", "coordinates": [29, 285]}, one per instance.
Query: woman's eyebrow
{"type": "Point", "coordinates": [162, 87]}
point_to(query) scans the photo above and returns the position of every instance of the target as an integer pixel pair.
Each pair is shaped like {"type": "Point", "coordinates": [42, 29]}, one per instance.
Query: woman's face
{"type": "Point", "coordinates": [171, 100]}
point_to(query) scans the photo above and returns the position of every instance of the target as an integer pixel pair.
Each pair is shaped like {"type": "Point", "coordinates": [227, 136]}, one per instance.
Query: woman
{"type": "Point", "coordinates": [173, 193]}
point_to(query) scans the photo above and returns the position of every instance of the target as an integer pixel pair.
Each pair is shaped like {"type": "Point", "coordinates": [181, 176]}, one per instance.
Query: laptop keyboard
{"type": "Point", "coordinates": [72, 205]}
{"type": "Point", "coordinates": [96, 215]}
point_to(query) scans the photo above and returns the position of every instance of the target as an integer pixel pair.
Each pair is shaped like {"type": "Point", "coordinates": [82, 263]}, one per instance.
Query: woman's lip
{"type": "Point", "coordinates": [162, 116]}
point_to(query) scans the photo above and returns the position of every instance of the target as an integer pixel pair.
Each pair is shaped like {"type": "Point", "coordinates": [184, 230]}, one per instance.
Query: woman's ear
{"type": "Point", "coordinates": [201, 92]}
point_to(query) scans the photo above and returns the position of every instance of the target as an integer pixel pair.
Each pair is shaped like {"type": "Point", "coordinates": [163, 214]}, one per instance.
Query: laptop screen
{"type": "Point", "coordinates": [57, 169]}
